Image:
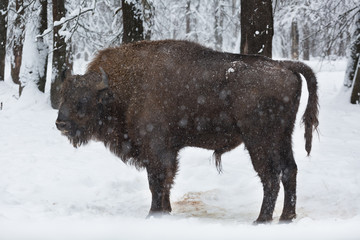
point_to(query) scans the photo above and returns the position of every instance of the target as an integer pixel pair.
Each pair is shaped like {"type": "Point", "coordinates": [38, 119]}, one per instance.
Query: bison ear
{"type": "Point", "coordinates": [104, 84]}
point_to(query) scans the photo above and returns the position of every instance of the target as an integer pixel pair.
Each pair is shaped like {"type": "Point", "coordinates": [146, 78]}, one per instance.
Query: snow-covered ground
{"type": "Point", "coordinates": [49, 190]}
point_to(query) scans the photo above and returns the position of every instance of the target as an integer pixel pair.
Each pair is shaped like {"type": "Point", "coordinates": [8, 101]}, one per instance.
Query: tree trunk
{"type": "Point", "coordinates": [61, 62]}
{"type": "Point", "coordinates": [306, 43]}
{"type": "Point", "coordinates": [342, 48]}
{"type": "Point", "coordinates": [219, 20]}
{"type": "Point", "coordinates": [194, 21]}
{"type": "Point", "coordinates": [256, 27]}
{"type": "Point", "coordinates": [148, 13]}
{"type": "Point", "coordinates": [42, 47]}
{"type": "Point", "coordinates": [294, 40]}
{"type": "Point", "coordinates": [3, 30]}
{"type": "Point", "coordinates": [19, 27]}
{"type": "Point", "coordinates": [133, 25]}
{"type": "Point", "coordinates": [354, 54]}
{"type": "Point", "coordinates": [235, 13]}
{"type": "Point", "coordinates": [187, 18]}
{"type": "Point", "coordinates": [191, 21]}
{"type": "Point", "coordinates": [355, 94]}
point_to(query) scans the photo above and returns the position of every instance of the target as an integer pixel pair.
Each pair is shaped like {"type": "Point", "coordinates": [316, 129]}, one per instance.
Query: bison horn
{"type": "Point", "coordinates": [104, 80]}
{"type": "Point", "coordinates": [64, 74]}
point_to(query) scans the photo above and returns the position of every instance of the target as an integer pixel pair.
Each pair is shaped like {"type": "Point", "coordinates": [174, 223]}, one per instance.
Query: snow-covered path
{"type": "Point", "coordinates": [49, 190]}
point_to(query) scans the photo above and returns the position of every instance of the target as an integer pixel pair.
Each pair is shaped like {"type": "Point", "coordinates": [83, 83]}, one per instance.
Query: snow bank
{"type": "Point", "coordinates": [178, 229]}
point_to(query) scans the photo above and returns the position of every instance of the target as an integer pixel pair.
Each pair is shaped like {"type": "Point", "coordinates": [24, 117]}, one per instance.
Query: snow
{"type": "Point", "coordinates": [50, 190]}
{"type": "Point", "coordinates": [230, 70]}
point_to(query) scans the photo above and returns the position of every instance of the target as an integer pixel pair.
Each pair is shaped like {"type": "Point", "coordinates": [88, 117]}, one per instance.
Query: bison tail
{"type": "Point", "coordinates": [310, 117]}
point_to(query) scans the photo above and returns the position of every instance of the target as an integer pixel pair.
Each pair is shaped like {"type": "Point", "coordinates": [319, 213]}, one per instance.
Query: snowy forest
{"type": "Point", "coordinates": [50, 188]}
{"type": "Point", "coordinates": [39, 39]}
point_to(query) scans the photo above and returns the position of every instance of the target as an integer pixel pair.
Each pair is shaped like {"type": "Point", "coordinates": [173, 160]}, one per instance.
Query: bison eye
{"type": "Point", "coordinates": [80, 106]}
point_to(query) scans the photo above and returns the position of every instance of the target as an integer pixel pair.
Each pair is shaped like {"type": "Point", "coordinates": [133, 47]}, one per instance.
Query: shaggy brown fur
{"type": "Point", "coordinates": [148, 100]}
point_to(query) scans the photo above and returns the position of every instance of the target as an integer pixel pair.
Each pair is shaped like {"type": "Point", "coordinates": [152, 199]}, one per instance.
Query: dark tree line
{"type": "Point", "coordinates": [61, 58]}
{"type": "Point", "coordinates": [132, 23]}
{"type": "Point", "coordinates": [41, 45]}
{"type": "Point", "coordinates": [76, 29]}
{"type": "Point", "coordinates": [17, 43]}
{"type": "Point", "coordinates": [3, 34]}
{"type": "Point", "coordinates": [352, 75]}
{"type": "Point", "coordinates": [257, 27]}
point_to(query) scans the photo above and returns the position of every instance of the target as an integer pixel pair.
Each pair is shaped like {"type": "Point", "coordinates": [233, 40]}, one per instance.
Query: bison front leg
{"type": "Point", "coordinates": [161, 172]}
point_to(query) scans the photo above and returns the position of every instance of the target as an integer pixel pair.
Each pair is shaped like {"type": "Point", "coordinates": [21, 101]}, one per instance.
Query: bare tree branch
{"type": "Point", "coordinates": [66, 20]}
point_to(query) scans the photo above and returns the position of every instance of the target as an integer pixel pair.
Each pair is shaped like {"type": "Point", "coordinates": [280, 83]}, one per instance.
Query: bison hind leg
{"type": "Point", "coordinates": [288, 178]}
{"type": "Point", "coordinates": [266, 162]}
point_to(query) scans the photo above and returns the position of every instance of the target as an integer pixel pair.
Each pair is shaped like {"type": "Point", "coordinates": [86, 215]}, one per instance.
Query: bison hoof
{"type": "Point", "coordinates": [157, 214]}
{"type": "Point", "coordinates": [287, 218]}
{"type": "Point", "coordinates": [262, 221]}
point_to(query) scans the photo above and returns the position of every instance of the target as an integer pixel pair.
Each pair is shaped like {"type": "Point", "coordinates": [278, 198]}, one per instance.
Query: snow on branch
{"type": "Point", "coordinates": [3, 12]}
{"type": "Point", "coordinates": [74, 15]}
{"type": "Point", "coordinates": [342, 19]}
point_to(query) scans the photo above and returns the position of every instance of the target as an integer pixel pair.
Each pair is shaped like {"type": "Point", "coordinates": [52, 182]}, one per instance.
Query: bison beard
{"type": "Point", "coordinates": [148, 100]}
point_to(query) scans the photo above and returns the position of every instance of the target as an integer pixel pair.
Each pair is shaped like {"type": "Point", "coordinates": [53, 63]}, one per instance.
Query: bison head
{"type": "Point", "coordinates": [83, 100]}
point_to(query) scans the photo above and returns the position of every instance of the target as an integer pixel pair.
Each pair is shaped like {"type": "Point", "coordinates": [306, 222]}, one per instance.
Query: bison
{"type": "Point", "coordinates": [147, 100]}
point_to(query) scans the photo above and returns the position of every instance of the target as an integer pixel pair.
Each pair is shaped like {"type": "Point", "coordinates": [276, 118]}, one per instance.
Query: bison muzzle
{"type": "Point", "coordinates": [147, 100]}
